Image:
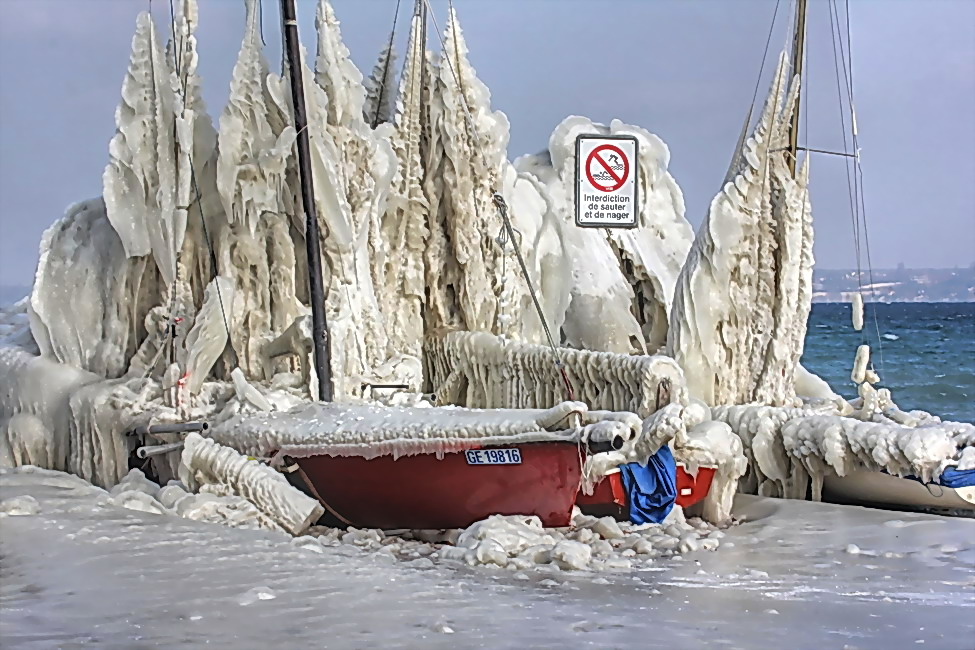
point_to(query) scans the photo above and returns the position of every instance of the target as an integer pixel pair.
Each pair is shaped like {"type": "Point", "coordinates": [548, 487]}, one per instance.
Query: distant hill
{"type": "Point", "coordinates": [896, 285]}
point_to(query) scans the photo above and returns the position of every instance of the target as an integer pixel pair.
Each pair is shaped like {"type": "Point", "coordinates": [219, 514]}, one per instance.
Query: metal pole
{"type": "Point", "coordinates": [313, 247]}
{"type": "Point", "coordinates": [157, 450]}
{"type": "Point", "coordinates": [170, 427]}
{"type": "Point", "coordinates": [798, 48]}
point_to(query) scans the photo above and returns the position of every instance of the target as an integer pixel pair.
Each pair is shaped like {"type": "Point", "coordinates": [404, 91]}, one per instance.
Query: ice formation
{"type": "Point", "coordinates": [743, 297]}
{"type": "Point", "coordinates": [622, 281]}
{"type": "Point", "coordinates": [519, 543]}
{"type": "Point", "coordinates": [791, 450]}
{"type": "Point", "coordinates": [181, 294]}
{"type": "Point", "coordinates": [207, 463]}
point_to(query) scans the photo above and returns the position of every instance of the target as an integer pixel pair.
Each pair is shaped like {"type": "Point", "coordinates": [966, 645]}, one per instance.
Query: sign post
{"type": "Point", "coordinates": [606, 181]}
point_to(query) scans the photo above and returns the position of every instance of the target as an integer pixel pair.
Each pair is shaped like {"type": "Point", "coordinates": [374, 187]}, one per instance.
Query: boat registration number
{"type": "Point", "coordinates": [493, 456]}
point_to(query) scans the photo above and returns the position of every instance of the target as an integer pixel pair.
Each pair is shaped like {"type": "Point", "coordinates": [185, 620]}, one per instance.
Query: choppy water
{"type": "Point", "coordinates": [926, 354]}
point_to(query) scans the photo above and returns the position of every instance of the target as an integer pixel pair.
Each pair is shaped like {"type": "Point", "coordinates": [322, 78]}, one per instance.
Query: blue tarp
{"type": "Point", "coordinates": [956, 478]}
{"type": "Point", "coordinates": [651, 489]}
{"type": "Point", "coordinates": [951, 478]}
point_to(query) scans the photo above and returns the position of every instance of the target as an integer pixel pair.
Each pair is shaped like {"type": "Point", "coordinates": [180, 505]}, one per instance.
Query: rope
{"type": "Point", "coordinates": [389, 52]}
{"type": "Point", "coordinates": [761, 70]}
{"type": "Point", "coordinates": [499, 202]}
{"type": "Point", "coordinates": [859, 174]}
{"type": "Point", "coordinates": [857, 200]}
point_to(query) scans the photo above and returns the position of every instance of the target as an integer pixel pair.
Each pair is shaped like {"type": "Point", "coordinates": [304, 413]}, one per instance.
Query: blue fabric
{"type": "Point", "coordinates": [950, 478]}
{"type": "Point", "coordinates": [651, 489]}
{"type": "Point", "coordinates": [956, 478]}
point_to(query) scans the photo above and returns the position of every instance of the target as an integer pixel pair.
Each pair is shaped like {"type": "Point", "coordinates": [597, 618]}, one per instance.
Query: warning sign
{"type": "Point", "coordinates": [606, 181]}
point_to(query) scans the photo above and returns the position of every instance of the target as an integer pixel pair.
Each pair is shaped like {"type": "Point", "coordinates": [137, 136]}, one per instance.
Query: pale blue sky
{"type": "Point", "coordinates": [684, 69]}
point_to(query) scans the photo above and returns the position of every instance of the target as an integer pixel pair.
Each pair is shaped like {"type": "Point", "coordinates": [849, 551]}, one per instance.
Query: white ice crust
{"type": "Point", "coordinates": [182, 293]}
{"type": "Point", "coordinates": [368, 431]}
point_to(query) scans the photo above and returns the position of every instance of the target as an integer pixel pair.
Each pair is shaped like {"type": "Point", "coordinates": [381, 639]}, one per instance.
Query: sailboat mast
{"type": "Point", "coordinates": [798, 49]}
{"type": "Point", "coordinates": [316, 288]}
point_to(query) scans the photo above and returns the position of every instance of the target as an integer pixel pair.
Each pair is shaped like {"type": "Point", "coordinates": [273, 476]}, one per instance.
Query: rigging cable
{"type": "Point", "coordinates": [198, 196]}
{"type": "Point", "coordinates": [850, 179]}
{"type": "Point", "coordinates": [761, 69]}
{"type": "Point", "coordinates": [499, 202]}
{"type": "Point", "coordinates": [178, 53]}
{"type": "Point", "coordinates": [859, 174]}
{"type": "Point", "coordinates": [858, 199]}
{"type": "Point", "coordinates": [389, 56]}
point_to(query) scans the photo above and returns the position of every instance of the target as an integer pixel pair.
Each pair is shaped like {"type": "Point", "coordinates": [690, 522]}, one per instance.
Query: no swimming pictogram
{"type": "Point", "coordinates": [607, 168]}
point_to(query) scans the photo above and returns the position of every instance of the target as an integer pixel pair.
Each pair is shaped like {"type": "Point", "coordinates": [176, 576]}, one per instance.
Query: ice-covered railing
{"type": "Point", "coordinates": [479, 370]}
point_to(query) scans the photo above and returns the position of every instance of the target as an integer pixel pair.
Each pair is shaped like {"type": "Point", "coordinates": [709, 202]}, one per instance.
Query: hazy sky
{"type": "Point", "coordinates": [684, 69]}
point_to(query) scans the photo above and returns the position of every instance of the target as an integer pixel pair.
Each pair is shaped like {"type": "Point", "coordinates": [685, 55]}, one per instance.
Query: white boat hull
{"type": "Point", "coordinates": [884, 489]}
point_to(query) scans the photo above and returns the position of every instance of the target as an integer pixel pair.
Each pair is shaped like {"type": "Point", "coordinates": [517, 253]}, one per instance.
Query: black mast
{"type": "Point", "coordinates": [798, 49]}
{"type": "Point", "coordinates": [312, 246]}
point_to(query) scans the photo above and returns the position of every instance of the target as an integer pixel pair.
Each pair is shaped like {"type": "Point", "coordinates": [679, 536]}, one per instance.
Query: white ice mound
{"type": "Point", "coordinates": [24, 505]}
{"type": "Point", "coordinates": [739, 318]}
{"type": "Point", "coordinates": [622, 280]}
{"type": "Point", "coordinates": [473, 277]}
{"type": "Point", "coordinates": [520, 543]}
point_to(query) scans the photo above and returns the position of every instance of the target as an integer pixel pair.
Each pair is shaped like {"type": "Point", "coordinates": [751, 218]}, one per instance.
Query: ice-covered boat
{"type": "Point", "coordinates": [428, 468]}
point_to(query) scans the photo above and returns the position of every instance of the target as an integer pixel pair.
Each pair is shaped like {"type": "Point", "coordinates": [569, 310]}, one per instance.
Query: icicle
{"type": "Point", "coordinates": [859, 373]}
{"type": "Point", "coordinates": [857, 311]}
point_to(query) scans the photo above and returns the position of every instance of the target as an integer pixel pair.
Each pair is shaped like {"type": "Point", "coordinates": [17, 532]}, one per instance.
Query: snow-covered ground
{"type": "Point", "coordinates": [79, 571]}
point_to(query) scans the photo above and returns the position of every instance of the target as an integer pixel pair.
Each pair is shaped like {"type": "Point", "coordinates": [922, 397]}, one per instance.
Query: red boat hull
{"type": "Point", "coordinates": [691, 489]}
{"type": "Point", "coordinates": [424, 492]}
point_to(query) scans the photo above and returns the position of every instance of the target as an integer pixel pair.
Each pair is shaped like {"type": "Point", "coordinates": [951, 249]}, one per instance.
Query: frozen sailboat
{"type": "Point", "coordinates": [442, 469]}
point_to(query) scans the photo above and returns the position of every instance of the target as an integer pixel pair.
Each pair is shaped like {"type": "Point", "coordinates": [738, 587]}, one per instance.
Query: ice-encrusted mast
{"type": "Point", "coordinates": [354, 166]}
{"type": "Point", "coordinates": [404, 226]}
{"type": "Point", "coordinates": [254, 247]}
{"type": "Point", "coordinates": [140, 180]}
{"type": "Point", "coordinates": [739, 317]}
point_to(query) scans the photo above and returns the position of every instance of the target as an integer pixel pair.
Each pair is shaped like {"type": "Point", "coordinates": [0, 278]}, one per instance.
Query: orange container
{"type": "Point", "coordinates": [691, 489]}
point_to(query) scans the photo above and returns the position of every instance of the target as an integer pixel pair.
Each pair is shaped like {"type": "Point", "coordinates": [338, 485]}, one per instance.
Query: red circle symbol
{"type": "Point", "coordinates": [611, 168]}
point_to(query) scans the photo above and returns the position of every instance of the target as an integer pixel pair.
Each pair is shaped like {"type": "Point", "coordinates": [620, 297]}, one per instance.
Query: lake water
{"type": "Point", "coordinates": [926, 353]}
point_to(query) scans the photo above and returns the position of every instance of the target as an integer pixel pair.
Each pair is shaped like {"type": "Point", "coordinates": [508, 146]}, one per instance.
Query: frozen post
{"type": "Point", "coordinates": [316, 289]}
